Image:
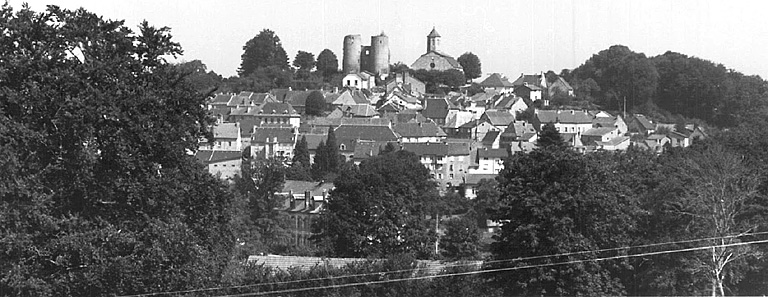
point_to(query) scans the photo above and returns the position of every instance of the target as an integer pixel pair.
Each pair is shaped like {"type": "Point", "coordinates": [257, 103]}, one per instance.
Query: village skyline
{"type": "Point", "coordinates": [508, 37]}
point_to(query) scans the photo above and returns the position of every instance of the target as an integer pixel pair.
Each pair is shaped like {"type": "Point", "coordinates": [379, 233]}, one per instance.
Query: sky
{"type": "Point", "coordinates": [509, 36]}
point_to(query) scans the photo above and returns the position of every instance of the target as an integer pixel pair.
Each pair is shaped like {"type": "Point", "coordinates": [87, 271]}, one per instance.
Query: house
{"type": "Point", "coordinates": [572, 139]}
{"type": "Point", "coordinates": [492, 139]}
{"type": "Point", "coordinates": [475, 130]}
{"type": "Point", "coordinates": [641, 124]}
{"type": "Point", "coordinates": [419, 132]}
{"type": "Point", "coordinates": [498, 118]}
{"type": "Point", "coordinates": [511, 103]}
{"type": "Point", "coordinates": [274, 141]}
{"type": "Point", "coordinates": [530, 92]}
{"type": "Point", "coordinates": [297, 99]}
{"type": "Point", "coordinates": [350, 97]}
{"type": "Point", "coordinates": [278, 113]}
{"type": "Point", "coordinates": [218, 107]}
{"type": "Point", "coordinates": [409, 84]}
{"type": "Point", "coordinates": [611, 121]}
{"type": "Point", "coordinates": [565, 121]}
{"type": "Point", "coordinates": [559, 86]}
{"type": "Point", "coordinates": [489, 161]}
{"type": "Point", "coordinates": [518, 131]}
{"type": "Point", "coordinates": [226, 137]}
{"type": "Point", "coordinates": [619, 143]}
{"type": "Point", "coordinates": [678, 139]}
{"type": "Point", "coordinates": [437, 110]}
{"type": "Point", "coordinates": [455, 119]}
{"type": "Point", "coordinates": [303, 201]}
{"type": "Point", "coordinates": [498, 84]}
{"type": "Point", "coordinates": [471, 181]}
{"type": "Point", "coordinates": [357, 111]}
{"type": "Point", "coordinates": [521, 147]}
{"type": "Point", "coordinates": [359, 80]}
{"type": "Point", "coordinates": [448, 162]}
{"type": "Point", "coordinates": [479, 102]}
{"type": "Point", "coordinates": [435, 59]}
{"type": "Point", "coordinates": [603, 134]}
{"type": "Point", "coordinates": [531, 79]}
{"type": "Point", "coordinates": [347, 137]}
{"type": "Point", "coordinates": [655, 142]}
{"type": "Point", "coordinates": [366, 149]}
{"type": "Point", "coordinates": [224, 164]}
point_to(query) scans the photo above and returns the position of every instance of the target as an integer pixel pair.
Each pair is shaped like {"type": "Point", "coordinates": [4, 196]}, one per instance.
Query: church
{"type": "Point", "coordinates": [435, 59]}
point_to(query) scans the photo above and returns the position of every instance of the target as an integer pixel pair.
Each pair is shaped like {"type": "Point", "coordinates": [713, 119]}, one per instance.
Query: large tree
{"type": "Point", "coordinates": [379, 209]}
{"type": "Point", "coordinates": [558, 201]}
{"type": "Point", "coordinates": [263, 50]}
{"type": "Point", "coordinates": [99, 194]}
{"type": "Point", "coordinates": [304, 61]}
{"type": "Point", "coordinates": [471, 65]}
{"type": "Point", "coordinates": [315, 104]}
{"type": "Point", "coordinates": [327, 64]}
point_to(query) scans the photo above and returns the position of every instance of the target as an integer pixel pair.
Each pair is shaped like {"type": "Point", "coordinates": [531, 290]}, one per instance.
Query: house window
{"type": "Point", "coordinates": [450, 167]}
{"type": "Point", "coordinates": [440, 176]}
{"type": "Point", "coordinates": [342, 147]}
{"type": "Point", "coordinates": [450, 176]}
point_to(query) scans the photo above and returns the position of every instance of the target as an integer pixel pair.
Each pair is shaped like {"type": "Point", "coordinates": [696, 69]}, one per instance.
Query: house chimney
{"type": "Point", "coordinates": [293, 199]}
{"type": "Point", "coordinates": [307, 199]}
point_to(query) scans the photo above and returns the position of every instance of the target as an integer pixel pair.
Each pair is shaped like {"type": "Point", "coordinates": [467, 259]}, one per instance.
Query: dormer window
{"type": "Point", "coordinates": [342, 147]}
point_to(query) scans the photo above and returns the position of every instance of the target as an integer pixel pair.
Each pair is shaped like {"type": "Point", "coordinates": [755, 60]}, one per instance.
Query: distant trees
{"type": "Point", "coordinates": [620, 73]}
{"type": "Point", "coordinates": [304, 61]}
{"type": "Point", "coordinates": [327, 64]}
{"type": "Point", "coordinates": [471, 65]}
{"type": "Point", "coordinates": [199, 77]}
{"type": "Point", "coordinates": [262, 51]}
{"type": "Point", "coordinates": [378, 209]}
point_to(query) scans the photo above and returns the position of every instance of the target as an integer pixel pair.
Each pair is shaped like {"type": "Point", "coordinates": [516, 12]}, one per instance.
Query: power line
{"type": "Point", "coordinates": [488, 270]}
{"type": "Point", "coordinates": [446, 266]}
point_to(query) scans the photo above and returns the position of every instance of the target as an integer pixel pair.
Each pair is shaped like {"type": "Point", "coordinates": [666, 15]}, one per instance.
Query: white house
{"type": "Point", "coordinates": [360, 80]}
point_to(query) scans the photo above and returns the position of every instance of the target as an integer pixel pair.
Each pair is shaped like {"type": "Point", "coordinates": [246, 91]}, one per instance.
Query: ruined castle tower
{"type": "Point", "coordinates": [373, 58]}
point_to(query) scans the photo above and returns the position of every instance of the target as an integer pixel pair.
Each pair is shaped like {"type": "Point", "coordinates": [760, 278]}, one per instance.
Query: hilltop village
{"type": "Point", "coordinates": [129, 175]}
{"type": "Point", "coordinates": [461, 138]}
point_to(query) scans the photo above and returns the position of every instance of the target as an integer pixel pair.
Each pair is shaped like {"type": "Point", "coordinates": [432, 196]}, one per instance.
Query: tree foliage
{"type": "Point", "coordinates": [262, 51]}
{"type": "Point", "coordinates": [471, 65]}
{"type": "Point", "coordinates": [327, 64]}
{"type": "Point", "coordinates": [315, 104]}
{"type": "Point", "coordinates": [378, 209]}
{"type": "Point", "coordinates": [549, 138]}
{"type": "Point", "coordinates": [99, 195]}
{"type": "Point", "coordinates": [304, 61]}
{"type": "Point", "coordinates": [620, 74]}
{"type": "Point", "coordinates": [328, 161]}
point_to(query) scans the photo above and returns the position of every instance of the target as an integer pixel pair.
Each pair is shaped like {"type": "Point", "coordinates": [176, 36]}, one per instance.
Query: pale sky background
{"type": "Point", "coordinates": [510, 37]}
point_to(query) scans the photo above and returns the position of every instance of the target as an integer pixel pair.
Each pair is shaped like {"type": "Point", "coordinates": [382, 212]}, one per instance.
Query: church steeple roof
{"type": "Point", "coordinates": [433, 33]}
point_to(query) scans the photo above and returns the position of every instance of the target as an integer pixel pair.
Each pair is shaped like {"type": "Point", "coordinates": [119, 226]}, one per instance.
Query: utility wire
{"type": "Point", "coordinates": [445, 266]}
{"type": "Point", "coordinates": [488, 270]}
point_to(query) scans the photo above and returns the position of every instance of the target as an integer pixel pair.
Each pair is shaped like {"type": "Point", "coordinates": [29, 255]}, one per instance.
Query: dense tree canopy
{"type": "Point", "coordinates": [99, 195]}
{"type": "Point", "coordinates": [471, 65]}
{"type": "Point", "coordinates": [621, 74]}
{"type": "Point", "coordinates": [263, 50]}
{"type": "Point", "coordinates": [380, 209]}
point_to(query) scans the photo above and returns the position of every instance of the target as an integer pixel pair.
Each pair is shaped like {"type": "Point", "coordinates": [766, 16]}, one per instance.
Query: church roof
{"type": "Point", "coordinates": [433, 33]}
